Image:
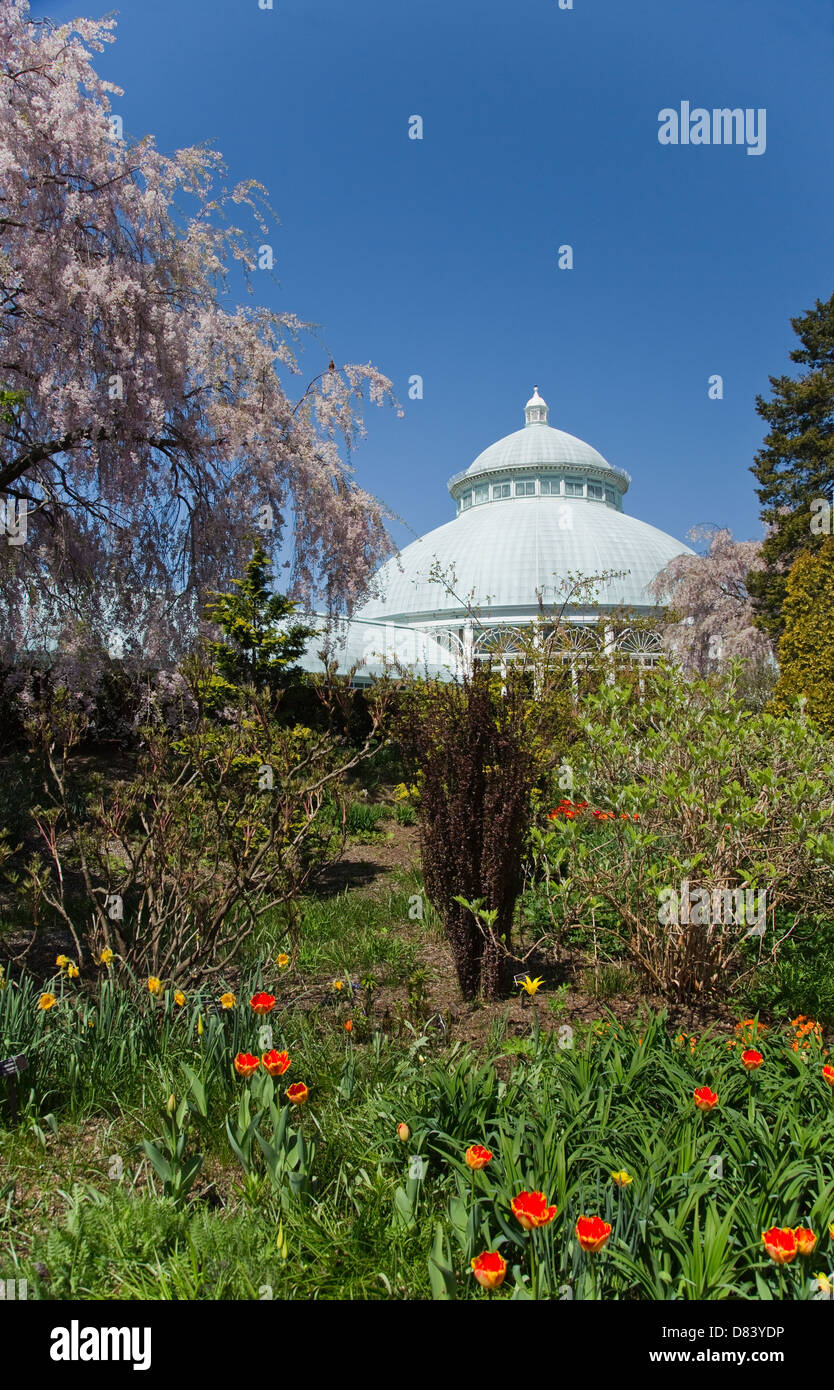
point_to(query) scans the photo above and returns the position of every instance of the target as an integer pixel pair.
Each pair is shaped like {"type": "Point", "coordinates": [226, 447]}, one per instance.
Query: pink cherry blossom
{"type": "Point", "coordinates": [154, 421]}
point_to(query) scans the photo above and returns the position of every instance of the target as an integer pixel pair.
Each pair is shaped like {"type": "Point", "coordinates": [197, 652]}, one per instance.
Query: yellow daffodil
{"type": "Point", "coordinates": [106, 956]}
{"type": "Point", "coordinates": [622, 1179]}
{"type": "Point", "coordinates": [282, 960]}
{"type": "Point", "coordinates": [62, 962]}
{"type": "Point", "coordinates": [47, 1001]}
{"type": "Point", "coordinates": [72, 971]}
{"type": "Point", "coordinates": [179, 997]}
{"type": "Point", "coordinates": [531, 986]}
{"type": "Point", "coordinates": [338, 984]}
{"type": "Point", "coordinates": [154, 985]}
{"type": "Point", "coordinates": [227, 1000]}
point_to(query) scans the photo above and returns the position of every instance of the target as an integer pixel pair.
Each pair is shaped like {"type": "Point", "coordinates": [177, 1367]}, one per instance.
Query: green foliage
{"type": "Point", "coordinates": [325, 1201]}
{"type": "Point", "coordinates": [178, 1171]}
{"type": "Point", "coordinates": [801, 976]}
{"type": "Point", "coordinates": [477, 748]}
{"type": "Point", "coordinates": [806, 650]}
{"type": "Point", "coordinates": [364, 818]}
{"type": "Point", "coordinates": [796, 463]}
{"type": "Point", "coordinates": [9, 401]}
{"type": "Point", "coordinates": [695, 788]}
{"type": "Point", "coordinates": [260, 646]}
{"type": "Point", "coordinates": [211, 831]}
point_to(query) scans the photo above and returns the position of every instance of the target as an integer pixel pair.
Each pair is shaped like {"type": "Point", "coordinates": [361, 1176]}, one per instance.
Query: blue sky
{"type": "Point", "coordinates": [438, 257]}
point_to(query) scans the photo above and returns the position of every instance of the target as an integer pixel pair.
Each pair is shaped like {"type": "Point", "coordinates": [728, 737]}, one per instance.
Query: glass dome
{"type": "Point", "coordinates": [533, 509]}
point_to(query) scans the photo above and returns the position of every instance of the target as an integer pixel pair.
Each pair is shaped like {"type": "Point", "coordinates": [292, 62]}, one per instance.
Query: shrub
{"type": "Point", "coordinates": [477, 761]}
{"type": "Point", "coordinates": [687, 786]}
{"type": "Point", "coordinates": [806, 650]}
{"type": "Point", "coordinates": [175, 866]}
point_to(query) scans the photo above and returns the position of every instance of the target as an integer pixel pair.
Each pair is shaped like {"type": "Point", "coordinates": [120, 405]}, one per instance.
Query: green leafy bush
{"type": "Point", "coordinates": [686, 792]}
{"type": "Point", "coordinates": [806, 649]}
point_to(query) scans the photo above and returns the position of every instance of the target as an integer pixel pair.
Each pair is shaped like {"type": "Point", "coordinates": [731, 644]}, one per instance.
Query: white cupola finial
{"type": "Point", "coordinates": [535, 411]}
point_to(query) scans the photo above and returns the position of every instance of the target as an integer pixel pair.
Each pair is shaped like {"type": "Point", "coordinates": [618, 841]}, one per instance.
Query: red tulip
{"type": "Point", "coordinates": [704, 1098]}
{"type": "Point", "coordinates": [477, 1156]}
{"type": "Point", "coordinates": [298, 1093]}
{"type": "Point", "coordinates": [592, 1233]}
{"type": "Point", "coordinates": [828, 1075]}
{"type": "Point", "coordinates": [805, 1240]}
{"type": "Point", "coordinates": [246, 1064]}
{"type": "Point", "coordinates": [489, 1269]}
{"type": "Point", "coordinates": [276, 1063]}
{"type": "Point", "coordinates": [531, 1210]}
{"type": "Point", "coordinates": [752, 1059]}
{"type": "Point", "coordinates": [780, 1244]}
{"type": "Point", "coordinates": [262, 1003]}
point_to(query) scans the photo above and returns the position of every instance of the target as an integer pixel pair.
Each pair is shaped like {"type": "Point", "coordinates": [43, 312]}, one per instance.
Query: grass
{"type": "Point", "coordinates": [801, 979]}
{"type": "Point", "coordinates": [609, 979]}
{"type": "Point", "coordinates": [370, 927]}
{"type": "Point", "coordinates": [364, 818]}
{"type": "Point", "coordinates": [344, 1209]}
{"type": "Point", "coordinates": [82, 1214]}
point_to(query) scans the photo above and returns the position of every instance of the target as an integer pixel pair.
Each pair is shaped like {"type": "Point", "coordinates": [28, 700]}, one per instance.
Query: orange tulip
{"type": "Point", "coordinates": [349, 1026]}
{"type": "Point", "coordinates": [781, 1244]}
{"type": "Point", "coordinates": [805, 1240]}
{"type": "Point", "coordinates": [828, 1075]}
{"type": "Point", "coordinates": [262, 1003]}
{"type": "Point", "coordinates": [532, 1211]}
{"type": "Point", "coordinates": [246, 1064]}
{"type": "Point", "coordinates": [752, 1059]}
{"type": "Point", "coordinates": [592, 1233]}
{"type": "Point", "coordinates": [404, 1133]}
{"type": "Point", "coordinates": [298, 1093]}
{"type": "Point", "coordinates": [704, 1098]}
{"type": "Point", "coordinates": [477, 1156]}
{"type": "Point", "coordinates": [489, 1269]}
{"type": "Point", "coordinates": [276, 1063]}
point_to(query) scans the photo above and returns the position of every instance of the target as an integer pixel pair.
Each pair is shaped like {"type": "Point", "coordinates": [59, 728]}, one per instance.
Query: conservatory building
{"type": "Point", "coordinates": [539, 536]}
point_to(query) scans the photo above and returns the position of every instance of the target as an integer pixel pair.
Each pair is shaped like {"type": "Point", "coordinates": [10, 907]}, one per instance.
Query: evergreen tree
{"type": "Point", "coordinates": [259, 646]}
{"type": "Point", "coordinates": [806, 651]}
{"type": "Point", "coordinates": [796, 463]}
